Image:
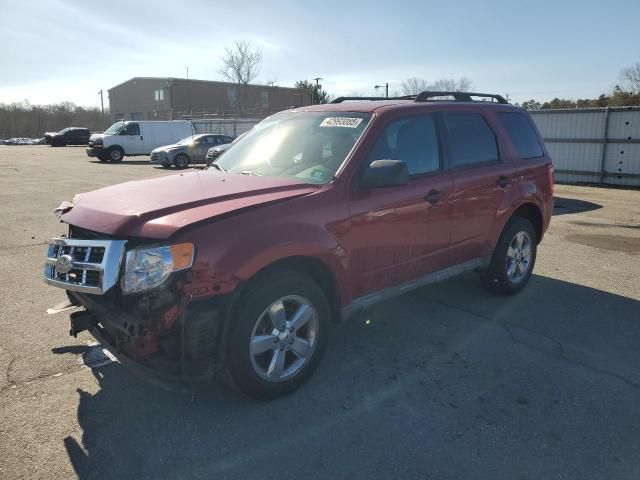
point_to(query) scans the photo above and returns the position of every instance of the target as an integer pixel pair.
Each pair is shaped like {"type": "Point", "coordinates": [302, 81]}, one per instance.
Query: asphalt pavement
{"type": "Point", "coordinates": [447, 382]}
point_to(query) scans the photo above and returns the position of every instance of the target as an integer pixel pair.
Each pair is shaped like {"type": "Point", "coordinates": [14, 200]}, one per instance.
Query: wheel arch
{"type": "Point", "coordinates": [531, 212]}
{"type": "Point", "coordinates": [182, 153]}
{"type": "Point", "coordinates": [319, 271]}
{"type": "Point", "coordinates": [116, 147]}
{"type": "Point", "coordinates": [528, 210]}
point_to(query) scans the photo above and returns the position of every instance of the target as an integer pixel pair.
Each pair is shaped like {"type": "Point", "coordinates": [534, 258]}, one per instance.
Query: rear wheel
{"type": "Point", "coordinates": [513, 258]}
{"type": "Point", "coordinates": [181, 160]}
{"type": "Point", "coordinates": [116, 154]}
{"type": "Point", "coordinates": [278, 335]}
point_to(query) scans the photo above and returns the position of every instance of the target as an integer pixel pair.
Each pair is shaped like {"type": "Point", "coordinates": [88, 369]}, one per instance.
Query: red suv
{"type": "Point", "coordinates": [316, 213]}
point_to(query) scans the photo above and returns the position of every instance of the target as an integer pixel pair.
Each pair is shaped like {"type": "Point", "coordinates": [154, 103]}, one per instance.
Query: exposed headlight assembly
{"type": "Point", "coordinates": [147, 268]}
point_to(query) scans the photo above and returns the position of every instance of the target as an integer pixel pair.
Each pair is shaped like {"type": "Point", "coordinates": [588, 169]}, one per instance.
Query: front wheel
{"type": "Point", "coordinates": [513, 258]}
{"type": "Point", "coordinates": [181, 161]}
{"type": "Point", "coordinates": [116, 154]}
{"type": "Point", "coordinates": [278, 335]}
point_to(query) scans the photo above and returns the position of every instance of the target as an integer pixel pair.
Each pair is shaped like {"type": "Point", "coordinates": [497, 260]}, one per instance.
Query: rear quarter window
{"type": "Point", "coordinates": [522, 135]}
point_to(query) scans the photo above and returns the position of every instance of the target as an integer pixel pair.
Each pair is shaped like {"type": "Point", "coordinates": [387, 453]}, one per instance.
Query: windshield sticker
{"type": "Point", "coordinates": [344, 122]}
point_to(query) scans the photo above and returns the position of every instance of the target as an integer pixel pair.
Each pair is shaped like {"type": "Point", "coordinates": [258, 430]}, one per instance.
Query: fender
{"type": "Point", "coordinates": [222, 265]}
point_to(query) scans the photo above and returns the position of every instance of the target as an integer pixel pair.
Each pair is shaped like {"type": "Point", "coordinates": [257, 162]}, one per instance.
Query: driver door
{"type": "Point", "coordinates": [401, 233]}
{"type": "Point", "coordinates": [131, 139]}
{"type": "Point", "coordinates": [200, 148]}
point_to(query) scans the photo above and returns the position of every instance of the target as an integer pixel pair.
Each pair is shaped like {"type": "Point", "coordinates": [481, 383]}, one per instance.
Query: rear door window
{"type": "Point", "coordinates": [522, 135]}
{"type": "Point", "coordinates": [471, 140]}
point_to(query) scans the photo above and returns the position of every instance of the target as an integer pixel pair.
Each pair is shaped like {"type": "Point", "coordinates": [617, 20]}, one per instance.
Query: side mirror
{"type": "Point", "coordinates": [385, 173]}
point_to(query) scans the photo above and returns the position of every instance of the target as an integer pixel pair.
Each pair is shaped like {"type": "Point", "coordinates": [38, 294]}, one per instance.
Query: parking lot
{"type": "Point", "coordinates": [449, 381]}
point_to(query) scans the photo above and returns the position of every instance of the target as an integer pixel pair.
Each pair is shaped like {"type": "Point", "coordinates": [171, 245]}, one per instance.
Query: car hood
{"type": "Point", "coordinates": [219, 148]}
{"type": "Point", "coordinates": [157, 208]}
{"type": "Point", "coordinates": [96, 136]}
{"type": "Point", "coordinates": [164, 148]}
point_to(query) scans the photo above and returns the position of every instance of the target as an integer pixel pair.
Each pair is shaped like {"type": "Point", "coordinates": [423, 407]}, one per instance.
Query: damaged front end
{"type": "Point", "coordinates": [136, 301]}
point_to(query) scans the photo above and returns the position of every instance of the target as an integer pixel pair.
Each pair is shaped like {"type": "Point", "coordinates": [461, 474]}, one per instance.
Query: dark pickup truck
{"type": "Point", "coordinates": [314, 214]}
{"type": "Point", "coordinates": [68, 136]}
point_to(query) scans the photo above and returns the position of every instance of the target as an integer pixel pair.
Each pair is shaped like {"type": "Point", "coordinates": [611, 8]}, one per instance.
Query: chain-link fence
{"type": "Point", "coordinates": [224, 126]}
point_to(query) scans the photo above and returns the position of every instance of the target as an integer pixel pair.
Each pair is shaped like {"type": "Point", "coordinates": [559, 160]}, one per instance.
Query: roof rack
{"type": "Point", "coordinates": [344, 99]}
{"type": "Point", "coordinates": [458, 96]}
{"type": "Point", "coordinates": [426, 96]}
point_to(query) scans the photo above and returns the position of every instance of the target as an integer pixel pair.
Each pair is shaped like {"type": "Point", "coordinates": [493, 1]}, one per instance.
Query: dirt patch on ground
{"type": "Point", "coordinates": [615, 243]}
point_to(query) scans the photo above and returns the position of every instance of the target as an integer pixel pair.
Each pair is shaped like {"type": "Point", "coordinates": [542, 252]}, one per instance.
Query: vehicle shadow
{"type": "Point", "coordinates": [124, 162]}
{"type": "Point", "coordinates": [447, 381]}
{"type": "Point", "coordinates": [563, 206]}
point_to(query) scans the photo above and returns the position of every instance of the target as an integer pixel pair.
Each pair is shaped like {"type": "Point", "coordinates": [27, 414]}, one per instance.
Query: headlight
{"type": "Point", "coordinates": [148, 268]}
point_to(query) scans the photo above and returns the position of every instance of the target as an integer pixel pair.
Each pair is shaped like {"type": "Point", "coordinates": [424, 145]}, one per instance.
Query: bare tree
{"type": "Point", "coordinates": [242, 66]}
{"type": "Point", "coordinates": [241, 63]}
{"type": "Point", "coordinates": [414, 85]}
{"type": "Point", "coordinates": [630, 76]}
{"type": "Point", "coordinates": [463, 84]}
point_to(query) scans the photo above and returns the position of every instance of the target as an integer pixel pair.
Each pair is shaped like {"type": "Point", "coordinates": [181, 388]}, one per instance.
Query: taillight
{"type": "Point", "coordinates": [550, 173]}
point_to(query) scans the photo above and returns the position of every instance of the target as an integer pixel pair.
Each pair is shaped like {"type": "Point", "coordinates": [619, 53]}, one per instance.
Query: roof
{"type": "Point", "coordinates": [193, 80]}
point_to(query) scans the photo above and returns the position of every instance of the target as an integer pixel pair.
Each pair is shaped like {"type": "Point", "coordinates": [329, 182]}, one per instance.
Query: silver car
{"type": "Point", "coordinates": [188, 151]}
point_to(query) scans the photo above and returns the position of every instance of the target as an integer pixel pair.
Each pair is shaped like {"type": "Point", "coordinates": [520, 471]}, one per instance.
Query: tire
{"type": "Point", "coordinates": [115, 154]}
{"type": "Point", "coordinates": [254, 347]}
{"type": "Point", "coordinates": [513, 258]}
{"type": "Point", "coordinates": [181, 161]}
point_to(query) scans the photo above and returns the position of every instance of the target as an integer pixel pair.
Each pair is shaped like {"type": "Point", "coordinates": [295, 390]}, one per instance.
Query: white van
{"type": "Point", "coordinates": [136, 138]}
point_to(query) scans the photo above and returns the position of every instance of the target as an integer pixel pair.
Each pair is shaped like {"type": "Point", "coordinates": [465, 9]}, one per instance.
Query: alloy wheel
{"type": "Point", "coordinates": [519, 257]}
{"type": "Point", "coordinates": [284, 338]}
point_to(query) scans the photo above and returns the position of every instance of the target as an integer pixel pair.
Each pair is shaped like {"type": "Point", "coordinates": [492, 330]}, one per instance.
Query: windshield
{"type": "Point", "coordinates": [114, 129]}
{"type": "Point", "coordinates": [64, 130]}
{"type": "Point", "coordinates": [309, 146]}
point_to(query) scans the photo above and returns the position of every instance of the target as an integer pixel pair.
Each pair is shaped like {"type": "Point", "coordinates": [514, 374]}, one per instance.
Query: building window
{"type": "Point", "coordinates": [232, 95]}
{"type": "Point", "coordinates": [158, 95]}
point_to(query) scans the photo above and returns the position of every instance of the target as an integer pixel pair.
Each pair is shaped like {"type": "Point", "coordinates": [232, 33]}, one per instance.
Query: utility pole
{"type": "Point", "coordinates": [189, 92]}
{"type": "Point", "coordinates": [317, 95]}
{"type": "Point", "coordinates": [102, 106]}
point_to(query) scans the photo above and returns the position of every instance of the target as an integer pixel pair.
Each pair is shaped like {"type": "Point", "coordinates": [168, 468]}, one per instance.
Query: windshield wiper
{"type": "Point", "coordinates": [249, 172]}
{"type": "Point", "coordinates": [215, 165]}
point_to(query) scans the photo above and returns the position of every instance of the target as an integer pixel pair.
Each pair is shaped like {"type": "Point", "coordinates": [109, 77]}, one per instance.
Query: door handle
{"type": "Point", "coordinates": [503, 181]}
{"type": "Point", "coordinates": [433, 197]}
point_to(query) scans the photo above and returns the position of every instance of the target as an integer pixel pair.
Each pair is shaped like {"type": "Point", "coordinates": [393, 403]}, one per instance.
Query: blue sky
{"type": "Point", "coordinates": [68, 50]}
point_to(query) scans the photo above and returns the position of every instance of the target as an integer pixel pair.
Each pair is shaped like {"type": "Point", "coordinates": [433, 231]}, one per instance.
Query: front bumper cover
{"type": "Point", "coordinates": [105, 321]}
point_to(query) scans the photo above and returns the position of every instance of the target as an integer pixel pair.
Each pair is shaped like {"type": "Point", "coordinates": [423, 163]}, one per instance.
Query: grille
{"type": "Point", "coordinates": [155, 157]}
{"type": "Point", "coordinates": [90, 266]}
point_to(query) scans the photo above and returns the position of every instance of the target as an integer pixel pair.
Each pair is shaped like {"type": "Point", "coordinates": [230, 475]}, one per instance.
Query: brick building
{"type": "Point", "coordinates": [153, 98]}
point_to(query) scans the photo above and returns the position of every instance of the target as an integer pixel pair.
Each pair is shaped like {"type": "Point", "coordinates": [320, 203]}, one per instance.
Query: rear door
{"type": "Point", "coordinates": [483, 172]}
{"type": "Point", "coordinates": [400, 233]}
{"type": "Point", "coordinates": [535, 171]}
